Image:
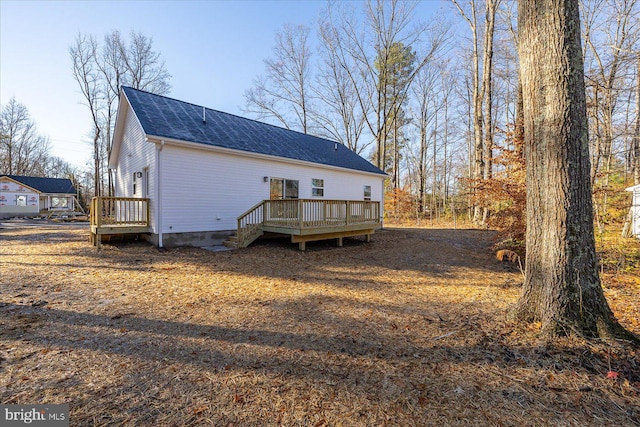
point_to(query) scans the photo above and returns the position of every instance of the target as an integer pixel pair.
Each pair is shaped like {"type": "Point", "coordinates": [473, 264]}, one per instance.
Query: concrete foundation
{"type": "Point", "coordinates": [197, 239]}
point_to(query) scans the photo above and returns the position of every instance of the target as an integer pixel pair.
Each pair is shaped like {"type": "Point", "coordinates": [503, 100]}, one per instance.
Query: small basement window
{"type": "Point", "coordinates": [367, 192]}
{"type": "Point", "coordinates": [317, 187]}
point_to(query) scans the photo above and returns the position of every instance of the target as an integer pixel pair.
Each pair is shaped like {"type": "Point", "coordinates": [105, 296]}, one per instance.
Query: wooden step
{"type": "Point", "coordinates": [231, 242]}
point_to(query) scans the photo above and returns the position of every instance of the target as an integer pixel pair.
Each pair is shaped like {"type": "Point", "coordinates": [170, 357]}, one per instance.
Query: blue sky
{"type": "Point", "coordinates": [213, 50]}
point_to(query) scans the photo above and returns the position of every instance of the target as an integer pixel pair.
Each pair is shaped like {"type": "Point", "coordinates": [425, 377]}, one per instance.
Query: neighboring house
{"type": "Point", "coordinates": [32, 196]}
{"type": "Point", "coordinates": [635, 210]}
{"type": "Point", "coordinates": [202, 168]}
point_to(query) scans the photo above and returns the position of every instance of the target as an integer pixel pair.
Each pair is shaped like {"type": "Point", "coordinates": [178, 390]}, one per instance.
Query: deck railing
{"type": "Point", "coordinates": [305, 214]}
{"type": "Point", "coordinates": [312, 213]}
{"type": "Point", "coordinates": [119, 211]}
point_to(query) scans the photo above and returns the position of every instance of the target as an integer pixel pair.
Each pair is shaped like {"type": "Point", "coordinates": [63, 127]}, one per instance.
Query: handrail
{"type": "Point", "coordinates": [249, 225]}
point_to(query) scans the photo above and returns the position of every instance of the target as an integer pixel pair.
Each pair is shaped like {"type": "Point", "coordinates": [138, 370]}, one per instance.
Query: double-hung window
{"type": "Point", "coordinates": [317, 187]}
{"type": "Point", "coordinates": [367, 192]}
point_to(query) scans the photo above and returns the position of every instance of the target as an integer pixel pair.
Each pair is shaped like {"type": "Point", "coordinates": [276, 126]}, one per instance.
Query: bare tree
{"type": "Point", "coordinates": [424, 93]}
{"type": "Point", "coordinates": [339, 115]}
{"type": "Point", "coordinates": [86, 72]}
{"type": "Point", "coordinates": [366, 50]}
{"type": "Point", "coordinates": [611, 30]}
{"type": "Point", "coordinates": [482, 89]}
{"type": "Point", "coordinates": [562, 287]}
{"type": "Point", "coordinates": [471, 17]}
{"type": "Point", "coordinates": [23, 151]}
{"type": "Point", "coordinates": [487, 91]}
{"type": "Point", "coordinates": [100, 71]}
{"type": "Point", "coordinates": [635, 148]}
{"type": "Point", "coordinates": [283, 92]}
{"type": "Point", "coordinates": [145, 68]}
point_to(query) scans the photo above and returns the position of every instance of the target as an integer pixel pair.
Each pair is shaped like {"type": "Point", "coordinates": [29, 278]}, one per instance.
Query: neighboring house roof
{"type": "Point", "coordinates": [45, 185]}
{"type": "Point", "coordinates": [169, 118]}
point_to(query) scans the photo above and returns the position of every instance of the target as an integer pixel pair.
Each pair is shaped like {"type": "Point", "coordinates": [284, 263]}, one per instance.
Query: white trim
{"type": "Point", "coordinates": [206, 147]}
{"type": "Point", "coordinates": [118, 133]}
{"type": "Point", "coordinates": [158, 209]}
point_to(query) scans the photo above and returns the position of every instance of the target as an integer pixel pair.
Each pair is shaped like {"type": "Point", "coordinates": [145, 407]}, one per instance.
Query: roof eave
{"type": "Point", "coordinates": [207, 147]}
{"type": "Point", "coordinates": [21, 183]}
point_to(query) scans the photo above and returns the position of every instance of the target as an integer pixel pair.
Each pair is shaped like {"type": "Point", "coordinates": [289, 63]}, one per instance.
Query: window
{"type": "Point", "coordinates": [59, 202]}
{"type": "Point", "coordinates": [290, 189]}
{"type": "Point", "coordinates": [21, 200]}
{"type": "Point", "coordinates": [135, 182]}
{"type": "Point", "coordinates": [317, 187]}
{"type": "Point", "coordinates": [367, 192]}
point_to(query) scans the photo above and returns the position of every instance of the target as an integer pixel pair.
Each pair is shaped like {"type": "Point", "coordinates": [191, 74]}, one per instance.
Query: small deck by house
{"type": "Point", "coordinates": [112, 216]}
{"type": "Point", "coordinates": [308, 220]}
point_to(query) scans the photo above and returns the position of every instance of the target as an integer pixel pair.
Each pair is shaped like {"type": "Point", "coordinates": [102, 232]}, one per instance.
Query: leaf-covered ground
{"type": "Point", "coordinates": [410, 329]}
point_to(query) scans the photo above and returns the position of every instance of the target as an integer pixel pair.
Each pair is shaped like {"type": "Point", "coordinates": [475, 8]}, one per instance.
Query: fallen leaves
{"type": "Point", "coordinates": [406, 330]}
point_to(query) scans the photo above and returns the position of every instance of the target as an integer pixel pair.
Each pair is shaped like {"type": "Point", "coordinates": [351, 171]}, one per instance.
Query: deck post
{"type": "Point", "coordinates": [339, 242]}
{"type": "Point", "coordinates": [348, 212]}
{"type": "Point", "coordinates": [302, 246]}
{"type": "Point", "coordinates": [301, 214]}
{"type": "Point", "coordinates": [367, 238]}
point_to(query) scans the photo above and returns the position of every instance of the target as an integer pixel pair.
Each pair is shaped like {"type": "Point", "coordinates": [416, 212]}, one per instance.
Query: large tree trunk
{"type": "Point", "coordinates": [562, 287]}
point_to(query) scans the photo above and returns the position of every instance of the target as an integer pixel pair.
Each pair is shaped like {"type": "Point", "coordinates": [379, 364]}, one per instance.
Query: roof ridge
{"type": "Point", "coordinates": [234, 115]}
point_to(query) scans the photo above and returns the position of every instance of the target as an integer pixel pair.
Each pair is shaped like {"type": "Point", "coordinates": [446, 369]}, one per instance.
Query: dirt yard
{"type": "Point", "coordinates": [410, 329]}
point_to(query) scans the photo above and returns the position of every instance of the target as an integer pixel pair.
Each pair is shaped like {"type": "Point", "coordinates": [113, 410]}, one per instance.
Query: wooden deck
{"type": "Point", "coordinates": [111, 216]}
{"type": "Point", "coordinates": [307, 220]}
{"type": "Point", "coordinates": [304, 220]}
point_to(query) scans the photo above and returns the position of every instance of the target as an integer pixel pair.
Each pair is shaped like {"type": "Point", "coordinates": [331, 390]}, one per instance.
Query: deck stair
{"type": "Point", "coordinates": [231, 242]}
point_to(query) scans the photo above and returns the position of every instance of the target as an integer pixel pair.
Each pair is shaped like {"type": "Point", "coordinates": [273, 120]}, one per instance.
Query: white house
{"type": "Point", "coordinates": [635, 210]}
{"type": "Point", "coordinates": [31, 196]}
{"type": "Point", "coordinates": [201, 168]}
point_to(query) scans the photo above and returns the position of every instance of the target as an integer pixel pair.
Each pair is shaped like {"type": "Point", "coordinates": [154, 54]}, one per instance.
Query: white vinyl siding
{"type": "Point", "coordinates": [206, 191]}
{"type": "Point", "coordinates": [135, 155]}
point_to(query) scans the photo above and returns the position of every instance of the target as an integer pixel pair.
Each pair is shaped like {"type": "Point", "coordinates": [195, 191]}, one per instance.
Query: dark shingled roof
{"type": "Point", "coordinates": [45, 185]}
{"type": "Point", "coordinates": [169, 118]}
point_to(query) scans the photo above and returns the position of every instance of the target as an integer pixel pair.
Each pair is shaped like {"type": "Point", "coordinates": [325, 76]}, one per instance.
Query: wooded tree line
{"type": "Point", "coordinates": [100, 69]}
{"type": "Point", "coordinates": [431, 103]}
{"type": "Point", "coordinates": [434, 103]}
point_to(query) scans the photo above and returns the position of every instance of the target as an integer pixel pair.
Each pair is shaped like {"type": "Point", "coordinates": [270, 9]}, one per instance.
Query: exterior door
{"type": "Point", "coordinates": [276, 189]}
